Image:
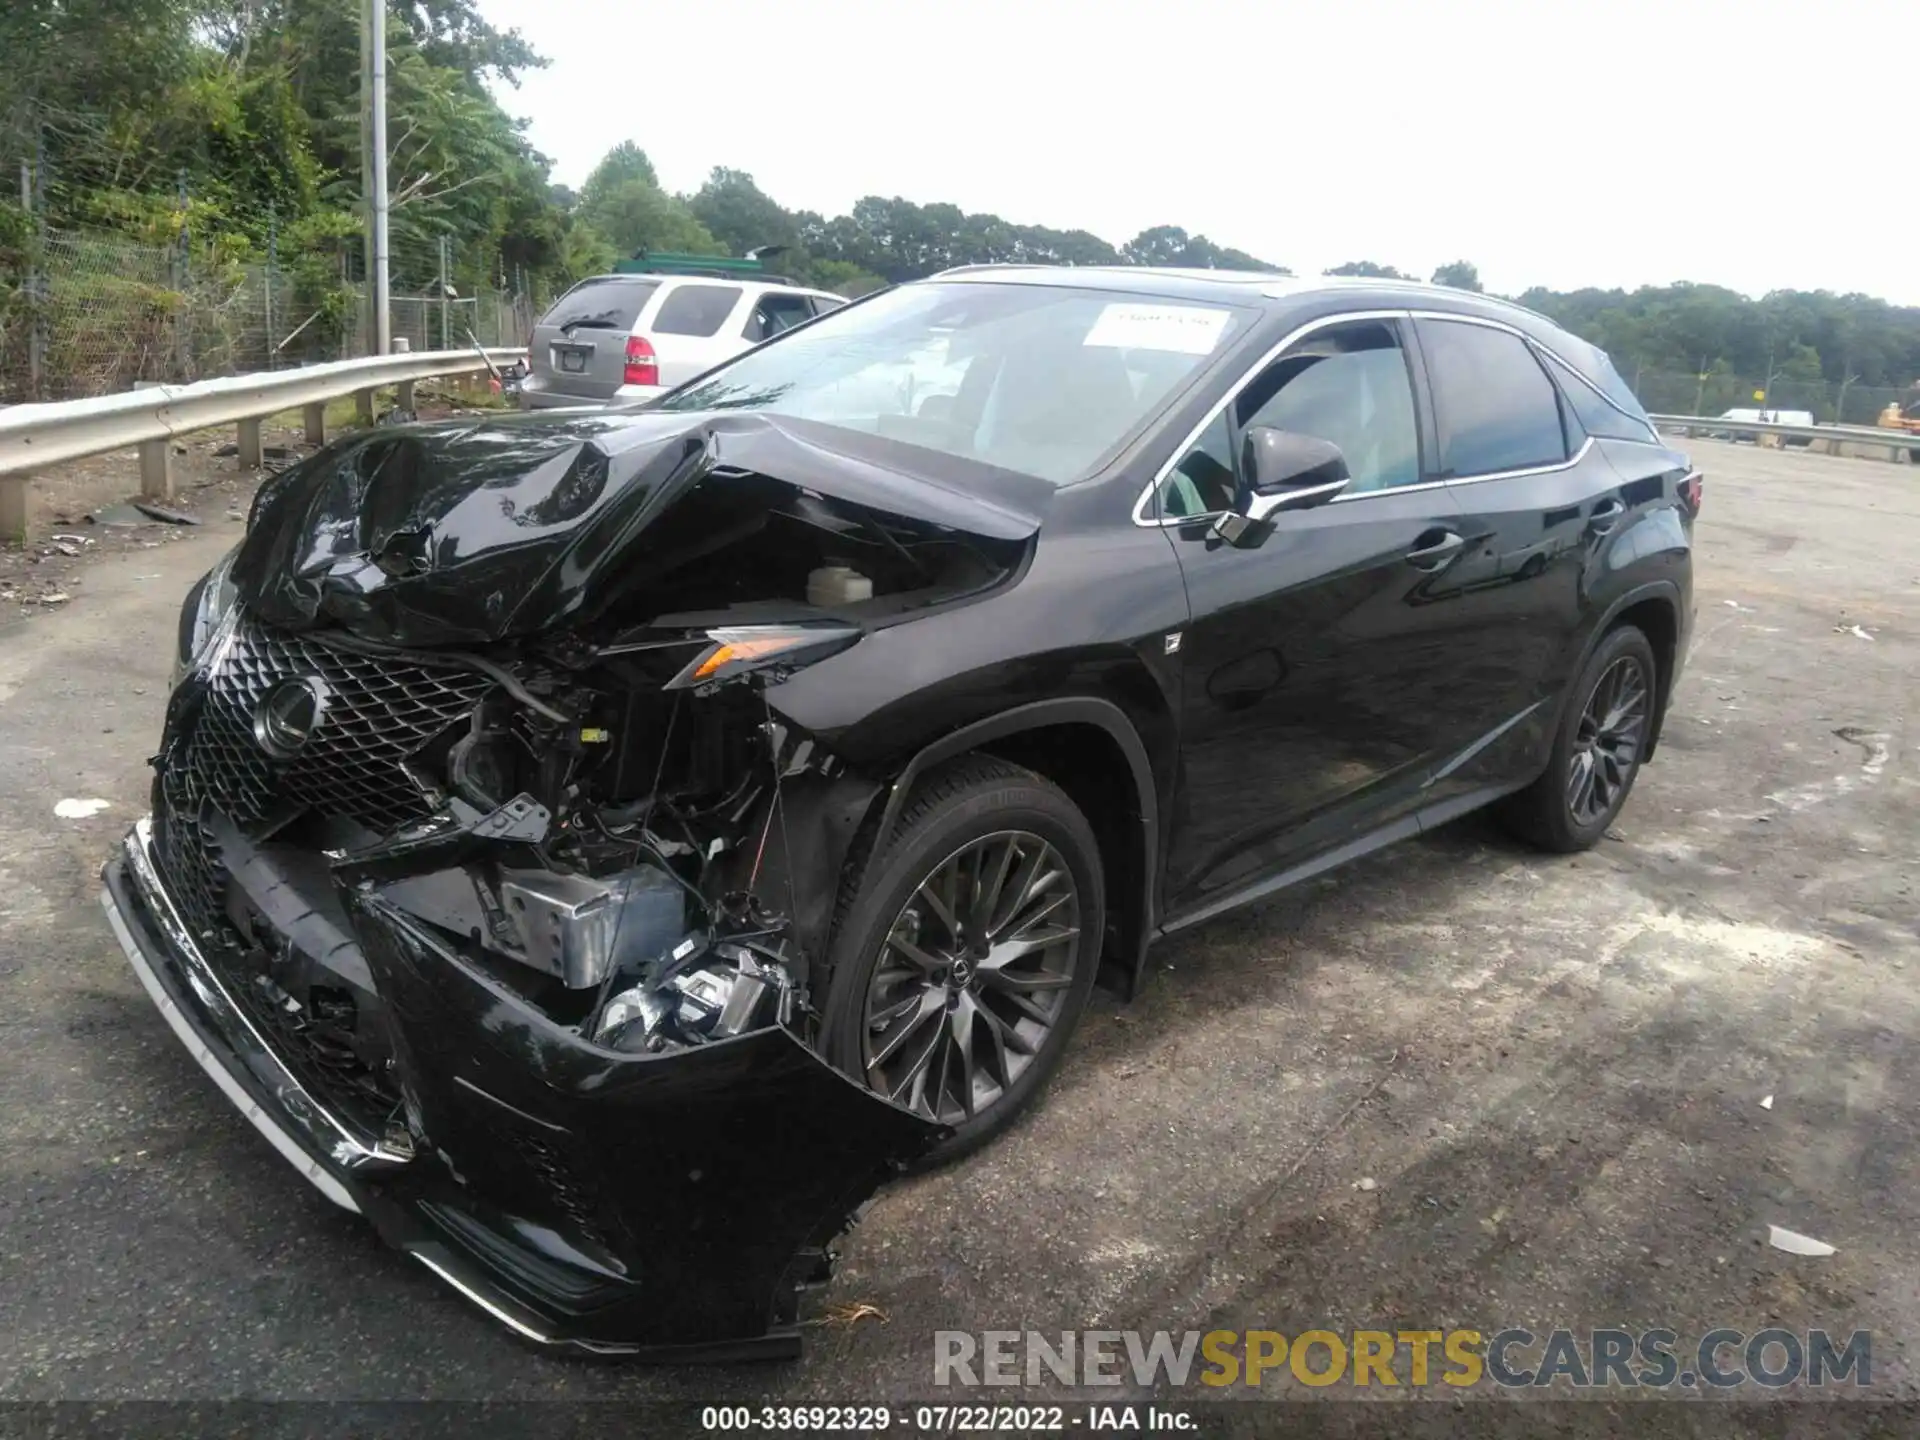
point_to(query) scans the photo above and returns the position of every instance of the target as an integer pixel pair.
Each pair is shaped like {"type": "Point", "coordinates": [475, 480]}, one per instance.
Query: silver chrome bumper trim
{"type": "Point", "coordinates": [296, 1107]}
{"type": "Point", "coordinates": [505, 1317]}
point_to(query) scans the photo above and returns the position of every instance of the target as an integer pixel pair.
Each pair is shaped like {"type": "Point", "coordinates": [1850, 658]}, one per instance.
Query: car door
{"type": "Point", "coordinates": [1536, 500]}
{"type": "Point", "coordinates": [1312, 680]}
{"type": "Point", "coordinates": [696, 325]}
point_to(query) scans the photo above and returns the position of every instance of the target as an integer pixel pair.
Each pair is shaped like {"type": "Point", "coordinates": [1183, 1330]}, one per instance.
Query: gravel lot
{"type": "Point", "coordinates": [1551, 1070]}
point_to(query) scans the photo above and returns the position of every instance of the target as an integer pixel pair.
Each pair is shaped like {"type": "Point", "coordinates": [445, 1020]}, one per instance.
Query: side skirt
{"type": "Point", "coordinates": [1405, 828]}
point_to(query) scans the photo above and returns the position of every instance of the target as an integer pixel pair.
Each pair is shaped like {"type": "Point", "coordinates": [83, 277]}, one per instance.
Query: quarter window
{"type": "Point", "coordinates": [1598, 415]}
{"type": "Point", "coordinates": [1495, 407]}
{"type": "Point", "coordinates": [695, 309]}
{"type": "Point", "coordinates": [1202, 483]}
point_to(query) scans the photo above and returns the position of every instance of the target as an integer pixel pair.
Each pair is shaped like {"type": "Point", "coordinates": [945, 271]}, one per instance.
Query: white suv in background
{"type": "Point", "coordinates": [613, 339]}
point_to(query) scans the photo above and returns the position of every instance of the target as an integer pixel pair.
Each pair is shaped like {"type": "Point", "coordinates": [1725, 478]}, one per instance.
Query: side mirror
{"type": "Point", "coordinates": [1290, 471]}
{"type": "Point", "coordinates": [1283, 470]}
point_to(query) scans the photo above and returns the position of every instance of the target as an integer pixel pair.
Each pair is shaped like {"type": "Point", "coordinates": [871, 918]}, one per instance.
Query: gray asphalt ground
{"type": "Point", "coordinates": [1551, 1070]}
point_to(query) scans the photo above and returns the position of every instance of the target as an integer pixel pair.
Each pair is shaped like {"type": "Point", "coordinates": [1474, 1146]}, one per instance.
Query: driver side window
{"type": "Point", "coordinates": [1348, 383]}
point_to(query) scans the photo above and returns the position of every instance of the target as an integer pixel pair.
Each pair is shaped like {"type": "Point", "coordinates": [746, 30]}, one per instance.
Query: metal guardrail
{"type": "Point", "coordinates": [1898, 441]}
{"type": "Point", "coordinates": [33, 437]}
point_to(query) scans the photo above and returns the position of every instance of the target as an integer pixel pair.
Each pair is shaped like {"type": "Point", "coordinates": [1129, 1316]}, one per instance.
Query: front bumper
{"type": "Point", "coordinates": [666, 1207]}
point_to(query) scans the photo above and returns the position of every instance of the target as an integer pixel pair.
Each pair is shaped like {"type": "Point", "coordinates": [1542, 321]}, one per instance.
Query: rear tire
{"type": "Point", "coordinates": [1597, 752]}
{"type": "Point", "coordinates": [955, 982]}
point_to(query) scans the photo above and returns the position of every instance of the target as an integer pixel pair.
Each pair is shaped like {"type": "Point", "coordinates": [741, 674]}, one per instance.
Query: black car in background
{"type": "Point", "coordinates": [601, 848]}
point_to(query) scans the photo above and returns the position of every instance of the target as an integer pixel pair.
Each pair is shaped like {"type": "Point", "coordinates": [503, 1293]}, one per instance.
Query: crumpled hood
{"type": "Point", "coordinates": [468, 533]}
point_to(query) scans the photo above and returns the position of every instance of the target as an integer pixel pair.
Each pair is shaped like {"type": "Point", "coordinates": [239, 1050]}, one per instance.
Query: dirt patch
{"type": "Point", "coordinates": [85, 514]}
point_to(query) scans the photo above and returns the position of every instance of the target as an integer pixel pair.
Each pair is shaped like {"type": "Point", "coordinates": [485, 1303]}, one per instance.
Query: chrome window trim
{"type": "Point", "coordinates": [1142, 507]}
{"type": "Point", "coordinates": [1567, 464]}
{"type": "Point", "coordinates": [1653, 434]}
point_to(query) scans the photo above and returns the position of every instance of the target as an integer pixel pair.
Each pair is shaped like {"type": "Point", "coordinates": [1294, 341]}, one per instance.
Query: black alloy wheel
{"type": "Point", "coordinates": [1604, 731]}
{"type": "Point", "coordinates": [973, 976]}
{"type": "Point", "coordinates": [1607, 741]}
{"type": "Point", "coordinates": [964, 948]}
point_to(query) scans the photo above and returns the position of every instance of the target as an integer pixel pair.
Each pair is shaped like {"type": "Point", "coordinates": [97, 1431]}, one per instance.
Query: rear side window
{"type": "Point", "coordinates": [1598, 414]}
{"type": "Point", "coordinates": [774, 312]}
{"type": "Point", "coordinates": [1495, 406]}
{"type": "Point", "coordinates": [695, 309]}
{"type": "Point", "coordinates": [823, 303]}
{"type": "Point", "coordinates": [1593, 363]}
{"type": "Point", "coordinates": [610, 302]}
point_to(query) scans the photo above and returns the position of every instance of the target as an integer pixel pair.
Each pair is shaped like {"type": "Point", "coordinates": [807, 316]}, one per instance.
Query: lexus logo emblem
{"type": "Point", "coordinates": [289, 715]}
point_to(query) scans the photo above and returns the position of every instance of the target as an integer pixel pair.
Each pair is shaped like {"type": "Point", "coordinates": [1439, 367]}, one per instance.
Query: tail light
{"type": "Point", "coordinates": [1690, 489]}
{"type": "Point", "coordinates": [643, 367]}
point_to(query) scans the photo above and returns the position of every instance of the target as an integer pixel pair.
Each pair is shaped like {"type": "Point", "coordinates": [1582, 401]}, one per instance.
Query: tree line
{"type": "Point", "coordinates": [622, 210]}
{"type": "Point", "coordinates": [233, 126]}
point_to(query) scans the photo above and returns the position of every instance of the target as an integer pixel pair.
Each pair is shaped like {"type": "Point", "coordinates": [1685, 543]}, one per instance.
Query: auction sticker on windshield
{"type": "Point", "coordinates": [1183, 329]}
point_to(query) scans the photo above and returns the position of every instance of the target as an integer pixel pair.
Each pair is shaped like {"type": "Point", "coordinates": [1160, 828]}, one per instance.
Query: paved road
{"type": "Point", "coordinates": [1551, 1069]}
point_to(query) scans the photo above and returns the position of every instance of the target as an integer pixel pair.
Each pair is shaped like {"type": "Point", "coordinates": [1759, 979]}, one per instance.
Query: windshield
{"type": "Point", "coordinates": [1035, 378]}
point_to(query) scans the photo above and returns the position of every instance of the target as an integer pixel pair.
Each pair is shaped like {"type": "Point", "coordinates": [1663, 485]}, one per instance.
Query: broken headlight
{"type": "Point", "coordinates": [206, 616]}
{"type": "Point", "coordinates": [733, 989]}
{"type": "Point", "coordinates": [736, 650]}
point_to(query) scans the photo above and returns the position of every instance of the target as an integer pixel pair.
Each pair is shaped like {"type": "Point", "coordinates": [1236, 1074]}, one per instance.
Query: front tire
{"type": "Point", "coordinates": [1596, 754]}
{"type": "Point", "coordinates": [965, 947]}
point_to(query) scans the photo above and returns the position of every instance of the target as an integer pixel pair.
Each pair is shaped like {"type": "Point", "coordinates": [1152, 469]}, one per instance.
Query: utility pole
{"type": "Point", "coordinates": [373, 154]}
{"type": "Point", "coordinates": [183, 280]}
{"type": "Point", "coordinates": [273, 264]}
{"type": "Point", "coordinates": [363, 331]}
{"type": "Point", "coordinates": [446, 315]}
{"type": "Point", "coordinates": [36, 314]}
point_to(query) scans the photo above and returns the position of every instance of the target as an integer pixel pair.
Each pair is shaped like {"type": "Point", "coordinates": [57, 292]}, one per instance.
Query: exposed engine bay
{"type": "Point", "coordinates": [609, 827]}
{"type": "Point", "coordinates": [612, 867]}
{"type": "Point", "coordinates": [476, 809]}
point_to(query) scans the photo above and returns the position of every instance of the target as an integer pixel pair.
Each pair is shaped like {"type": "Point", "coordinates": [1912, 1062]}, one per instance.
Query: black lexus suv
{"type": "Point", "coordinates": [603, 847]}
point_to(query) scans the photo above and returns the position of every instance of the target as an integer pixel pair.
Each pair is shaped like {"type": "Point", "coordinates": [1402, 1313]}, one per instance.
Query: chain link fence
{"type": "Point", "coordinates": [428, 322]}
{"type": "Point", "coordinates": [92, 312]}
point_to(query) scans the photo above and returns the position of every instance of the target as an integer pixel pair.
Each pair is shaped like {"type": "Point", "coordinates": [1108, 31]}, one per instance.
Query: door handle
{"type": "Point", "coordinates": [1435, 554]}
{"type": "Point", "coordinates": [1605, 516]}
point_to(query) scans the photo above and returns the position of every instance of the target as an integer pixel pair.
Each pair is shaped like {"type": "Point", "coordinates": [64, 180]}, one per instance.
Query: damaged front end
{"type": "Point", "coordinates": [487, 878]}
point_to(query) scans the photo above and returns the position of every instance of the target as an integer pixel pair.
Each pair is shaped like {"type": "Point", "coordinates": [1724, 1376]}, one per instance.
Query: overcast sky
{"type": "Point", "coordinates": [1555, 142]}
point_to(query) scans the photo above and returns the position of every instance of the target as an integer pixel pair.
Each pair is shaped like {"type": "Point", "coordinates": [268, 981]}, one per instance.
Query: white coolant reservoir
{"type": "Point", "coordinates": [837, 585]}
